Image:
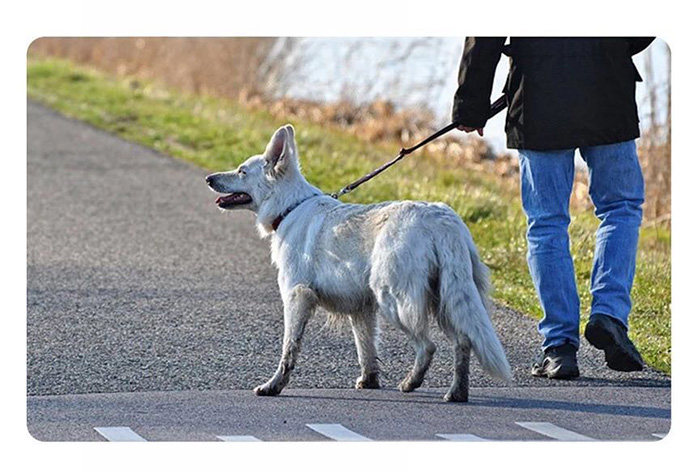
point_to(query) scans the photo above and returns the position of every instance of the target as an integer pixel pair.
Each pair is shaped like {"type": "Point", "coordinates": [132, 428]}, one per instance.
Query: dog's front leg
{"type": "Point", "coordinates": [298, 308]}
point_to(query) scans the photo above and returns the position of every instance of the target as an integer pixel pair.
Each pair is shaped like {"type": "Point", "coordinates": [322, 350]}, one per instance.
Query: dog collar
{"type": "Point", "coordinates": [278, 221]}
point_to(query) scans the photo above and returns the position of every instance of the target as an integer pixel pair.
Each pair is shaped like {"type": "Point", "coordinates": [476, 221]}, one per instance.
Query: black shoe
{"type": "Point", "coordinates": [610, 335]}
{"type": "Point", "coordinates": [558, 362]}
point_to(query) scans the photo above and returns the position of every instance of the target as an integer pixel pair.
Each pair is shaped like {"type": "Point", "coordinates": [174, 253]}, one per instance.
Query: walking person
{"type": "Point", "coordinates": [565, 94]}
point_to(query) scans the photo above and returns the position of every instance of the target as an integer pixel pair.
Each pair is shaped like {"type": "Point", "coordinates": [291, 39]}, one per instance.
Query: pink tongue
{"type": "Point", "coordinates": [227, 198]}
{"type": "Point", "coordinates": [233, 198]}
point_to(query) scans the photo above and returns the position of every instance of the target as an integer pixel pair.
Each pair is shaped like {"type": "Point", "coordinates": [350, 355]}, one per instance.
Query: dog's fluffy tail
{"type": "Point", "coordinates": [464, 306]}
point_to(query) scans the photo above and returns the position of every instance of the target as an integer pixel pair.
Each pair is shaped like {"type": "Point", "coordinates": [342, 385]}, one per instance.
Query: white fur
{"type": "Point", "coordinates": [407, 261]}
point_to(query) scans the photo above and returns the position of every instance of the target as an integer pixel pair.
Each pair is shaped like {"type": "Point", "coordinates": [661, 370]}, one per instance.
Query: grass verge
{"type": "Point", "coordinates": [218, 135]}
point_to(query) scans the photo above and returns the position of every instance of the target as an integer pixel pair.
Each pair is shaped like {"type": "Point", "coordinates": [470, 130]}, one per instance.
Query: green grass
{"type": "Point", "coordinates": [217, 135]}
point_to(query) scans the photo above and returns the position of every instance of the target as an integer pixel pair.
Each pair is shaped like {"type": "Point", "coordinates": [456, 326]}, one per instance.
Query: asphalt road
{"type": "Point", "coordinates": [640, 414]}
{"type": "Point", "coordinates": [138, 283]}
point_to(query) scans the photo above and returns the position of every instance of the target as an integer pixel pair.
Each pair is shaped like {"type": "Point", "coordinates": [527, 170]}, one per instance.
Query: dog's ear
{"type": "Point", "coordinates": [281, 152]}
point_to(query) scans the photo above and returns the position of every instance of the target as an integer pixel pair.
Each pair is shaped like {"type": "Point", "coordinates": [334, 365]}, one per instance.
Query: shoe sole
{"type": "Point", "coordinates": [616, 357]}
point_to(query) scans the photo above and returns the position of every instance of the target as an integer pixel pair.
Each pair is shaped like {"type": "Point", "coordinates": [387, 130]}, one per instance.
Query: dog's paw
{"type": "Point", "coordinates": [408, 385]}
{"type": "Point", "coordinates": [266, 390]}
{"type": "Point", "coordinates": [369, 382]}
{"type": "Point", "coordinates": [457, 396]}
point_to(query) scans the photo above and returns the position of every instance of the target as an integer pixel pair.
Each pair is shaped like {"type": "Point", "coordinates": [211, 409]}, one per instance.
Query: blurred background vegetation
{"type": "Point", "coordinates": [266, 73]}
{"type": "Point", "coordinates": [355, 102]}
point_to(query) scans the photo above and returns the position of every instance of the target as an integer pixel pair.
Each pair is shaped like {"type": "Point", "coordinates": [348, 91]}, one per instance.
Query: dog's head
{"type": "Point", "coordinates": [255, 181]}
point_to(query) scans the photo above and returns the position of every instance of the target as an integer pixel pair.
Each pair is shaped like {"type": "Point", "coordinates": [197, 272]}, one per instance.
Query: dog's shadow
{"type": "Point", "coordinates": [479, 401]}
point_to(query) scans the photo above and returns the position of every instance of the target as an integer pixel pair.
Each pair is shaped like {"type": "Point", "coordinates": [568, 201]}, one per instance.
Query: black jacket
{"type": "Point", "coordinates": [562, 92]}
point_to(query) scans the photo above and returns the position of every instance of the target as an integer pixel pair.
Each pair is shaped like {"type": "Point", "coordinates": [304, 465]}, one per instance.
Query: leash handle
{"type": "Point", "coordinates": [496, 107]}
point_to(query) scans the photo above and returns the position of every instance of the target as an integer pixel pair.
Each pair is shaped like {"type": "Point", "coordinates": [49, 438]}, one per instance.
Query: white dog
{"type": "Point", "coordinates": [409, 262]}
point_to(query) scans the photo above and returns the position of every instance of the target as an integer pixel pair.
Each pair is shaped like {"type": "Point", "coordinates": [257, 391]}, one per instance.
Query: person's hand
{"type": "Point", "coordinates": [469, 129]}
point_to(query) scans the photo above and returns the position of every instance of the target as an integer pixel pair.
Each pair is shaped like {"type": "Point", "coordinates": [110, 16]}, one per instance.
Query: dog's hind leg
{"type": "Point", "coordinates": [408, 314]}
{"type": "Point", "coordinates": [425, 349]}
{"type": "Point", "coordinates": [364, 328]}
{"type": "Point", "coordinates": [298, 308]}
{"type": "Point", "coordinates": [459, 391]}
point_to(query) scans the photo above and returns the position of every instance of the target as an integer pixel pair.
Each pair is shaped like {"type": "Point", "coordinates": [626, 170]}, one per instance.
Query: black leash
{"type": "Point", "coordinates": [496, 107]}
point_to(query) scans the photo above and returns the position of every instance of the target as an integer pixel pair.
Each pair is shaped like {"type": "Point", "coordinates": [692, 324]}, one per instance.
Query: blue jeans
{"type": "Point", "coordinates": [616, 187]}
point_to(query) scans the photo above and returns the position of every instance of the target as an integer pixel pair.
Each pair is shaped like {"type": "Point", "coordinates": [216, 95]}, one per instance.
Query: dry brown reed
{"type": "Point", "coordinates": [216, 66]}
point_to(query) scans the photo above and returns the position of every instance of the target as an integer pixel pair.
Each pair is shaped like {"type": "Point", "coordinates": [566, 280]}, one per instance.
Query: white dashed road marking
{"type": "Point", "coordinates": [338, 432]}
{"type": "Point", "coordinates": [461, 437]}
{"type": "Point", "coordinates": [238, 438]}
{"type": "Point", "coordinates": [555, 432]}
{"type": "Point", "coordinates": [119, 433]}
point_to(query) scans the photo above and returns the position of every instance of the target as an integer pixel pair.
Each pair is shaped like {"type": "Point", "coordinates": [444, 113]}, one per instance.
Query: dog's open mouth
{"type": "Point", "coordinates": [238, 198]}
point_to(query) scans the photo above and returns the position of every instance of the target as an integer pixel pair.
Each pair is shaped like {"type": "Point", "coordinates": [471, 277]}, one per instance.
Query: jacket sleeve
{"type": "Point", "coordinates": [638, 45]}
{"type": "Point", "coordinates": [476, 71]}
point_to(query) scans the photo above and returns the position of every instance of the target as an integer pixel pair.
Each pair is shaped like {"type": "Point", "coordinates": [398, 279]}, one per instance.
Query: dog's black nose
{"type": "Point", "coordinates": [209, 179]}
